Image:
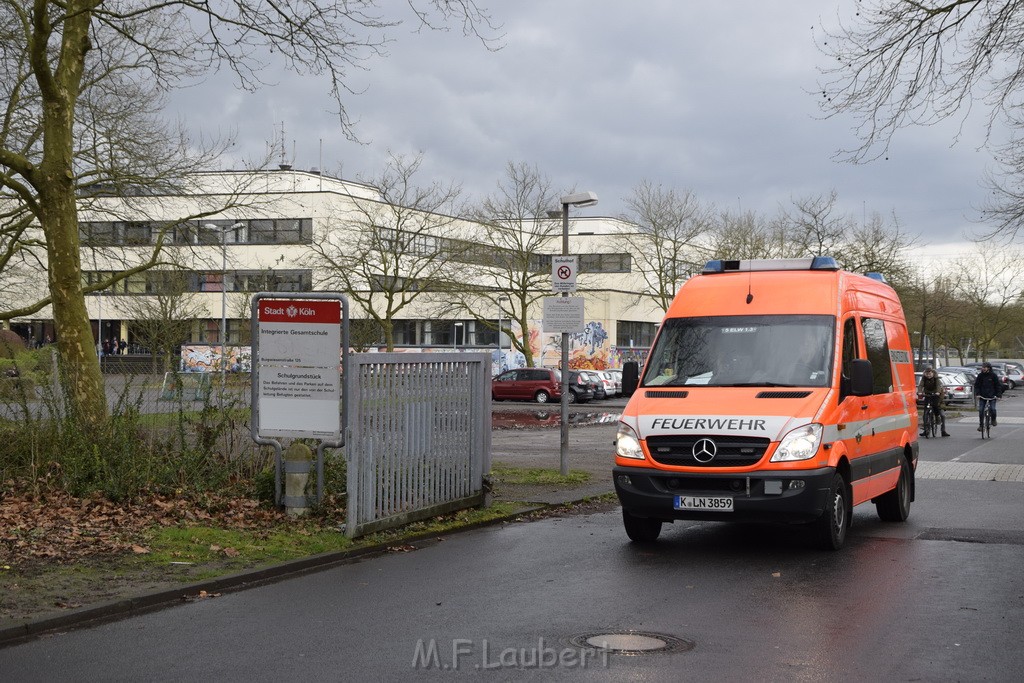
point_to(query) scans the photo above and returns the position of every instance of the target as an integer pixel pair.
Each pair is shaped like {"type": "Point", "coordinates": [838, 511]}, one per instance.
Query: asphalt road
{"type": "Point", "coordinates": [938, 598]}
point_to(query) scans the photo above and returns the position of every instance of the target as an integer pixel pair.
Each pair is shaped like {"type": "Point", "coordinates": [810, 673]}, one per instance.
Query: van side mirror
{"type": "Point", "coordinates": [630, 377]}
{"type": "Point", "coordinates": [862, 380]}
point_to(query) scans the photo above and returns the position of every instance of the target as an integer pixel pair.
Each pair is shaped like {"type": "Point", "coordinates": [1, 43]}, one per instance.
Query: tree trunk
{"type": "Point", "coordinates": [80, 364]}
{"type": "Point", "coordinates": [54, 180]}
{"type": "Point", "coordinates": [525, 346]}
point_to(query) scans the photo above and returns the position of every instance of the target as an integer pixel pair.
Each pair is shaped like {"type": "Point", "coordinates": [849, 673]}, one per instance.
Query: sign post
{"type": "Point", "coordinates": [298, 345]}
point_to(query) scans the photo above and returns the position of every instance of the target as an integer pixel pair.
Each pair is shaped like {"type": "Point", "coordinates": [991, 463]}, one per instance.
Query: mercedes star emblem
{"type": "Point", "coordinates": [704, 450]}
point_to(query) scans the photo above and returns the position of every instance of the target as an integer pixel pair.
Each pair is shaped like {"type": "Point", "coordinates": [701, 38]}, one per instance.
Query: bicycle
{"type": "Point", "coordinates": [986, 417]}
{"type": "Point", "coordinates": [931, 418]}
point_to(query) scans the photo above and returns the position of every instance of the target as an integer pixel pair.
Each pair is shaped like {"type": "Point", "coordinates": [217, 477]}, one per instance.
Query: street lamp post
{"type": "Point", "coordinates": [498, 340]}
{"type": "Point", "coordinates": [577, 199]}
{"type": "Point", "coordinates": [223, 299]}
{"type": "Point", "coordinates": [223, 310]}
{"type": "Point", "coordinates": [455, 334]}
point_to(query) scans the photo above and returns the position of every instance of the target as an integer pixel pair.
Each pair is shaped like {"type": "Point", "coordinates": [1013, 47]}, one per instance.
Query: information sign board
{"type": "Point", "coordinates": [563, 314]}
{"type": "Point", "coordinates": [299, 382]}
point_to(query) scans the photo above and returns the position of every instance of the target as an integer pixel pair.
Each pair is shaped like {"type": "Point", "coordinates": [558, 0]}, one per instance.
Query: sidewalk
{"type": "Point", "coordinates": [590, 449]}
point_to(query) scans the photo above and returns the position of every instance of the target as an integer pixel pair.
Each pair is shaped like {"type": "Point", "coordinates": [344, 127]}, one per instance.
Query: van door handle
{"type": "Point", "coordinates": [864, 407]}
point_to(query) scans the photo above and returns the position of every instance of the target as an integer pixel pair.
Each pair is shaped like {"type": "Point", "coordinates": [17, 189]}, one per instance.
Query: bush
{"type": "Point", "coordinates": [177, 447]}
{"type": "Point", "coordinates": [11, 344]}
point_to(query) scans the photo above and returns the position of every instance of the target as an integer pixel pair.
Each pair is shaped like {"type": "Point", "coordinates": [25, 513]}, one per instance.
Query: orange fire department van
{"type": "Point", "coordinates": [776, 390]}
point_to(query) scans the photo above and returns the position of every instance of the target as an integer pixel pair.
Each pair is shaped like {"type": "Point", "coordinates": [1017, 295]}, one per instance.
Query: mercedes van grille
{"type": "Point", "coordinates": [730, 451]}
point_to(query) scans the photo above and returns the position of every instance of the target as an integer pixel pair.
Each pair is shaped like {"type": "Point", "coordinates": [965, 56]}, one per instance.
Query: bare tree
{"type": "Point", "coordinates": [745, 235]}
{"type": "Point", "coordinates": [665, 242]}
{"type": "Point", "coordinates": [386, 255]}
{"type": "Point", "coordinates": [162, 321]}
{"type": "Point", "coordinates": [898, 63]}
{"type": "Point", "coordinates": [520, 222]}
{"type": "Point", "coordinates": [814, 226]}
{"type": "Point", "coordinates": [991, 289]}
{"type": "Point", "coordinates": [932, 310]}
{"type": "Point", "coordinates": [59, 59]}
{"type": "Point", "coordinates": [880, 248]}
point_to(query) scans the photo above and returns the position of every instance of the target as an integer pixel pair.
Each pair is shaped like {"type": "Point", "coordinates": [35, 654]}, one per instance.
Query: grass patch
{"type": "Point", "coordinates": [214, 551]}
{"type": "Point", "coordinates": [235, 549]}
{"type": "Point", "coordinates": [540, 476]}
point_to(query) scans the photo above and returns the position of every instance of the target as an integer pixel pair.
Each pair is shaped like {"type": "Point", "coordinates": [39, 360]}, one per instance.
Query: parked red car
{"type": "Point", "coordinates": [542, 385]}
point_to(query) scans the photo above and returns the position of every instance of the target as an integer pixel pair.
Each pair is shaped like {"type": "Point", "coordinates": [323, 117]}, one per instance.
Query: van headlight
{"type": "Point", "coordinates": [627, 443]}
{"type": "Point", "coordinates": [800, 444]}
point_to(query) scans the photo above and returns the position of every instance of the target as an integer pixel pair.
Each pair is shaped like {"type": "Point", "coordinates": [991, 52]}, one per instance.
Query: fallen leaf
{"type": "Point", "coordinates": [400, 548]}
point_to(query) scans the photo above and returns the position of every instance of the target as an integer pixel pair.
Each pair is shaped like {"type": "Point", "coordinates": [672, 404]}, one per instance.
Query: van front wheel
{"type": "Point", "coordinates": [830, 529]}
{"type": "Point", "coordinates": [641, 529]}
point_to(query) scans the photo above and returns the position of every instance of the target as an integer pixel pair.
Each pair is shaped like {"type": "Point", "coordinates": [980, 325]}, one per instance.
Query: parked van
{"type": "Point", "coordinates": [776, 390]}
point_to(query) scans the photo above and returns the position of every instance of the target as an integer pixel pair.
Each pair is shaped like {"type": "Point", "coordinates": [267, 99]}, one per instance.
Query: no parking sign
{"type": "Point", "coordinates": [563, 273]}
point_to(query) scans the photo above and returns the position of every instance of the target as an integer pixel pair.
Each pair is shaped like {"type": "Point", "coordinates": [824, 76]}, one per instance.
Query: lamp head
{"type": "Point", "coordinates": [580, 199]}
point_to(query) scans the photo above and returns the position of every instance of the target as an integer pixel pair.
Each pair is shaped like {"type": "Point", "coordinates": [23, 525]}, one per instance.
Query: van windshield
{"type": "Point", "coordinates": [732, 351]}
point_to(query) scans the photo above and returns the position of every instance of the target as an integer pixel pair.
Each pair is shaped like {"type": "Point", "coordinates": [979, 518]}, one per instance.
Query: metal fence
{"type": "Point", "coordinates": [419, 438]}
{"type": "Point", "coordinates": [418, 441]}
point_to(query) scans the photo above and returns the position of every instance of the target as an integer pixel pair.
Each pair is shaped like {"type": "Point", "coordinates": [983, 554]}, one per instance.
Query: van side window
{"type": "Point", "coordinates": [849, 354]}
{"type": "Point", "coordinates": [878, 353]}
{"type": "Point", "coordinates": [849, 346]}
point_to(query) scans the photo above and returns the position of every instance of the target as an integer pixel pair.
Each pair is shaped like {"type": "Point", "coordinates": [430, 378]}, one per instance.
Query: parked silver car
{"type": "Point", "coordinates": [592, 376]}
{"type": "Point", "coordinates": [959, 388]}
{"type": "Point", "coordinates": [617, 376]}
{"type": "Point", "coordinates": [612, 386]}
{"type": "Point", "coordinates": [1015, 373]}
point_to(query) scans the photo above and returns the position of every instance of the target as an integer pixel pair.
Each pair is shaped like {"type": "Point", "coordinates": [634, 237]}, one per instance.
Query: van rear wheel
{"type": "Point", "coordinates": [894, 506]}
{"type": "Point", "coordinates": [641, 529]}
{"type": "Point", "coordinates": [830, 529]}
{"type": "Point", "coordinates": [542, 396]}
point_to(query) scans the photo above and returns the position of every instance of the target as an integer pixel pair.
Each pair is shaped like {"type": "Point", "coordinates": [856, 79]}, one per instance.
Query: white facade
{"type": "Point", "coordinates": [254, 231]}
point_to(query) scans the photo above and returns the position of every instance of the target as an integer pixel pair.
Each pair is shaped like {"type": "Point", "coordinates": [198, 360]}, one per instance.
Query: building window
{"type": "Point", "coordinates": [208, 232]}
{"type": "Point", "coordinates": [630, 333]}
{"type": "Point", "coordinates": [604, 263]}
{"type": "Point", "coordinates": [137, 233]}
{"type": "Point", "coordinates": [272, 281]}
{"type": "Point", "coordinates": [281, 231]}
{"type": "Point", "coordinates": [211, 282]}
{"type": "Point", "coordinates": [484, 335]}
{"type": "Point", "coordinates": [406, 332]}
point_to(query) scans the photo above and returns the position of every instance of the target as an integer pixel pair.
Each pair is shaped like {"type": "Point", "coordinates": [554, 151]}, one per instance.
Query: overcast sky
{"type": "Point", "coordinates": [712, 97]}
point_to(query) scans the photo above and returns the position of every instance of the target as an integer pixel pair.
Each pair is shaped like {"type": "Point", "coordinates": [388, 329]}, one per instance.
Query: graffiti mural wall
{"type": "Point", "coordinates": [207, 358]}
{"type": "Point", "coordinates": [591, 350]}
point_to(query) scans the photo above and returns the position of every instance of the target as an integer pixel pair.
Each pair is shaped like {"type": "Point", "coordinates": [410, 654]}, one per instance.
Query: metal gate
{"type": "Point", "coordinates": [419, 437]}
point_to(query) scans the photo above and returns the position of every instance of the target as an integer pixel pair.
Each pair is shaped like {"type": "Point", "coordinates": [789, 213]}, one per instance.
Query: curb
{"type": "Point", "coordinates": [164, 598]}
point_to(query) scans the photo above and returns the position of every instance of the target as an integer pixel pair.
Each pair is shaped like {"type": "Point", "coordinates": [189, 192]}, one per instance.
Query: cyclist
{"type": "Point", "coordinates": [987, 385]}
{"type": "Point", "coordinates": [932, 388]}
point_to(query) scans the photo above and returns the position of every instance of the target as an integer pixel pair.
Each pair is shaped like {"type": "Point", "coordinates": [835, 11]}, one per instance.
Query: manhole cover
{"type": "Point", "coordinates": [632, 642]}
